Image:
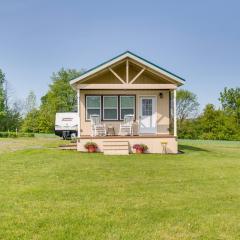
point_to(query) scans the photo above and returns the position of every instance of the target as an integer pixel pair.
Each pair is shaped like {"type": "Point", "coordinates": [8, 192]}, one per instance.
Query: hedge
{"type": "Point", "coordinates": [15, 135]}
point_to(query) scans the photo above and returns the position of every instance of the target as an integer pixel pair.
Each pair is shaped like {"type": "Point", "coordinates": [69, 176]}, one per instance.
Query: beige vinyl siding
{"type": "Point", "coordinates": [162, 109]}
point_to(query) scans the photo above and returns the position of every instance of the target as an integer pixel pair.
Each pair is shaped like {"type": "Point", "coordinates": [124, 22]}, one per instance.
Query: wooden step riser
{"type": "Point", "coordinates": [68, 148]}
{"type": "Point", "coordinates": [115, 145]}
{"type": "Point", "coordinates": [116, 148]}
{"type": "Point", "coordinates": [116, 152]}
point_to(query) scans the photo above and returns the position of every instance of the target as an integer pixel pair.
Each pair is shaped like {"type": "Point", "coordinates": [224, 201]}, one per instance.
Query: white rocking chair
{"type": "Point", "coordinates": [127, 125]}
{"type": "Point", "coordinates": [98, 129]}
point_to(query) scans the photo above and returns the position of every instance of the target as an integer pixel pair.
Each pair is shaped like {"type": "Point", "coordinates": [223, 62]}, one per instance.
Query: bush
{"type": "Point", "coordinates": [90, 144]}
{"type": "Point", "coordinates": [142, 147]}
{"type": "Point", "coordinates": [3, 134]}
{"type": "Point", "coordinates": [22, 134]}
{"type": "Point", "coordinates": [15, 135]}
{"type": "Point", "coordinates": [212, 124]}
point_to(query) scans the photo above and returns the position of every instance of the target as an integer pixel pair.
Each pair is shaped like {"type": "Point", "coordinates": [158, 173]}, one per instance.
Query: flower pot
{"type": "Point", "coordinates": [91, 149]}
{"type": "Point", "coordinates": [139, 150]}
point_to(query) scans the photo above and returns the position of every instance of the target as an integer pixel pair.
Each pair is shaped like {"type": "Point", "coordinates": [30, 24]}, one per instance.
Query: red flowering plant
{"type": "Point", "coordinates": [140, 148]}
{"type": "Point", "coordinates": [91, 147]}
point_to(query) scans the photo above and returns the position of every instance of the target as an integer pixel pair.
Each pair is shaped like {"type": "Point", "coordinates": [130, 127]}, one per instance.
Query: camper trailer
{"type": "Point", "coordinates": [66, 125]}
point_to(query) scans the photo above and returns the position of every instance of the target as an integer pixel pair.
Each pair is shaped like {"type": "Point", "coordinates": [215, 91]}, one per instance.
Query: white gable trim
{"type": "Point", "coordinates": [106, 65]}
{"type": "Point", "coordinates": [157, 69]}
{"type": "Point", "coordinates": [121, 57]}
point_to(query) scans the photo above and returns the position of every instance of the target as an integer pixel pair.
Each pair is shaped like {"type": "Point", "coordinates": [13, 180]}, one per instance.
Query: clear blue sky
{"type": "Point", "coordinates": [198, 40]}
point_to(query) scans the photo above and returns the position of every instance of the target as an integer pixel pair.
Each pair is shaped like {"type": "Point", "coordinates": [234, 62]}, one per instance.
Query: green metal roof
{"type": "Point", "coordinates": [163, 69]}
{"type": "Point", "coordinates": [155, 65]}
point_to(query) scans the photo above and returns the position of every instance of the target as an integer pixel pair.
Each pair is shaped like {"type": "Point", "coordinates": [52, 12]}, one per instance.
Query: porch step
{"type": "Point", "coordinates": [116, 147]}
{"type": "Point", "coordinates": [68, 147]}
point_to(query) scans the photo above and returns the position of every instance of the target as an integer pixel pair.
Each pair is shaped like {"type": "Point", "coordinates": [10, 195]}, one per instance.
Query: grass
{"type": "Point", "coordinates": [46, 193]}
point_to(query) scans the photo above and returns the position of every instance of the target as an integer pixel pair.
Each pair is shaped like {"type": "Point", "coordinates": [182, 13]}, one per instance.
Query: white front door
{"type": "Point", "coordinates": [148, 115]}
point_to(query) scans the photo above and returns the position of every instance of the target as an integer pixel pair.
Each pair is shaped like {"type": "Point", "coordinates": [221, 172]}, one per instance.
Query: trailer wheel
{"type": "Point", "coordinates": [73, 135]}
{"type": "Point", "coordinates": [65, 135]}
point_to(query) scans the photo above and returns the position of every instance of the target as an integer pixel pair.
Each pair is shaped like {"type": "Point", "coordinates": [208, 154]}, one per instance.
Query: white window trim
{"type": "Point", "coordinates": [134, 110]}
{"type": "Point", "coordinates": [93, 107]}
{"type": "Point", "coordinates": [116, 108]}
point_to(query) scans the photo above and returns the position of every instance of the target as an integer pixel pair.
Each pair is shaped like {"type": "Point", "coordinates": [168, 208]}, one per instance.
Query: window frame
{"type": "Point", "coordinates": [101, 106]}
{"type": "Point", "coordinates": [86, 107]}
{"type": "Point", "coordinates": [134, 106]}
{"type": "Point", "coordinates": [116, 108]}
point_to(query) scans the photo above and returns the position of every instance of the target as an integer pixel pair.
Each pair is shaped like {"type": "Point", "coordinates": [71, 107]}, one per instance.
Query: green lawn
{"type": "Point", "coordinates": [46, 193]}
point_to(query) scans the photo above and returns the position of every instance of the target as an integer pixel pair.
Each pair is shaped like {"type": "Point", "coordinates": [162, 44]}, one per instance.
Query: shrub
{"type": "Point", "coordinates": [3, 134]}
{"type": "Point", "coordinates": [22, 134]}
{"type": "Point", "coordinates": [12, 135]}
{"type": "Point", "coordinates": [141, 147]}
{"type": "Point", "coordinates": [90, 144]}
{"type": "Point", "coordinates": [15, 135]}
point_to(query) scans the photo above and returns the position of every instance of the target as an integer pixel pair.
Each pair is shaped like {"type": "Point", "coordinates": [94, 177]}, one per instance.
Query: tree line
{"type": "Point", "coordinates": [212, 123]}
{"type": "Point", "coordinates": [25, 116]}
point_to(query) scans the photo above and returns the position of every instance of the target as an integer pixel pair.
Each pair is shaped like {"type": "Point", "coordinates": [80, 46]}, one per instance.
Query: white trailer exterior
{"type": "Point", "coordinates": [66, 124]}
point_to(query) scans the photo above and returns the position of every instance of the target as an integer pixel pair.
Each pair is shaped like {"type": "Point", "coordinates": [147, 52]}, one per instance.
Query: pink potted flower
{"type": "Point", "coordinates": [140, 148]}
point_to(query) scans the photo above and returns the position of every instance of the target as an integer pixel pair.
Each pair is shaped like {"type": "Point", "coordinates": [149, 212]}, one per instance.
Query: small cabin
{"type": "Point", "coordinates": [128, 85]}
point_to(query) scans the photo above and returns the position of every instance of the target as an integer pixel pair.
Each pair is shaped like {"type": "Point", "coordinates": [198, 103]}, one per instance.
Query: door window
{"type": "Point", "coordinates": [146, 107]}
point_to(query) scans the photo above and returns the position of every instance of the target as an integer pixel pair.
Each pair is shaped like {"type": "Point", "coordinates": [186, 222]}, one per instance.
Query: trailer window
{"type": "Point", "coordinates": [67, 119]}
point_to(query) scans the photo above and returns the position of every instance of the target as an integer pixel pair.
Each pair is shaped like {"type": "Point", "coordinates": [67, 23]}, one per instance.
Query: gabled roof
{"type": "Point", "coordinates": [135, 57]}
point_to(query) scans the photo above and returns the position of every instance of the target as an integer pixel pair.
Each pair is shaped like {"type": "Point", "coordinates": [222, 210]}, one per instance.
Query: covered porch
{"type": "Point", "coordinates": [154, 124]}
{"type": "Point", "coordinates": [154, 110]}
{"type": "Point", "coordinates": [158, 130]}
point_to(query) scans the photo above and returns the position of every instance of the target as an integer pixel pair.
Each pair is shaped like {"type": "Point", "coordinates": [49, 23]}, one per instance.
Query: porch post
{"type": "Point", "coordinates": [175, 113]}
{"type": "Point", "coordinates": [78, 107]}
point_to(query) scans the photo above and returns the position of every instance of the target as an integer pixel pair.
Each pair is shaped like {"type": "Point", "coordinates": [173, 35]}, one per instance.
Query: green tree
{"type": "Point", "coordinates": [12, 119]}
{"type": "Point", "coordinates": [216, 125]}
{"type": "Point", "coordinates": [190, 129]}
{"type": "Point", "coordinates": [187, 105]}
{"type": "Point", "coordinates": [30, 102]}
{"type": "Point", "coordinates": [230, 100]}
{"type": "Point", "coordinates": [212, 124]}
{"type": "Point", "coordinates": [60, 98]}
{"type": "Point", "coordinates": [31, 122]}
{"type": "Point", "coordinates": [2, 94]}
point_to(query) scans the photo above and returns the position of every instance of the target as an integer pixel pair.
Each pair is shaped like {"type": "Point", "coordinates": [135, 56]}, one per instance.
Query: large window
{"type": "Point", "coordinates": [93, 106]}
{"type": "Point", "coordinates": [127, 105]}
{"type": "Point", "coordinates": [110, 107]}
